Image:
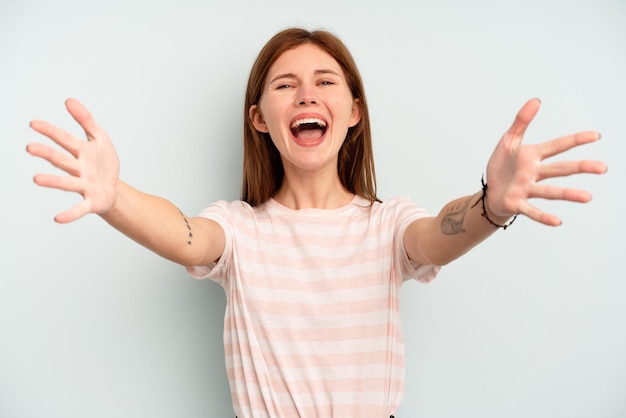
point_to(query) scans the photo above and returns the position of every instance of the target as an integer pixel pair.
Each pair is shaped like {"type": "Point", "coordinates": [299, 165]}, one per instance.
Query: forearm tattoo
{"type": "Point", "coordinates": [190, 234]}
{"type": "Point", "coordinates": [452, 222]}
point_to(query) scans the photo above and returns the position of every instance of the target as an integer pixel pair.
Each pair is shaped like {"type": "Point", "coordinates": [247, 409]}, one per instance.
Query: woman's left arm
{"type": "Point", "coordinates": [514, 175]}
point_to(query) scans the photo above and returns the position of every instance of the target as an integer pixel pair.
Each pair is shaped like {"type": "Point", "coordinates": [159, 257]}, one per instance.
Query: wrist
{"type": "Point", "coordinates": [497, 221]}
{"type": "Point", "coordinates": [113, 200]}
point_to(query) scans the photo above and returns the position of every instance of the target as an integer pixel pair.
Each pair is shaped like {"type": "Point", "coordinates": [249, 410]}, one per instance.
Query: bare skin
{"type": "Point", "coordinates": [93, 167]}
{"type": "Point", "coordinates": [515, 174]}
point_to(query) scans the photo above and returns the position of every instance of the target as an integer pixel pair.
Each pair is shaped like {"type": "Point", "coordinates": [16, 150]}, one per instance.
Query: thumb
{"type": "Point", "coordinates": [523, 118]}
{"type": "Point", "coordinates": [84, 118]}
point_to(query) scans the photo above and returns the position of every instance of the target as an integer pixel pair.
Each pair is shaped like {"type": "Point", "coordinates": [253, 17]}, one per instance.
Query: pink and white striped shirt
{"type": "Point", "coordinates": [312, 324]}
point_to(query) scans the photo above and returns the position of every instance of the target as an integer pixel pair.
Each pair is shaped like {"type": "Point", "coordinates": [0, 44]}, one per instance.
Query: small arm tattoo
{"type": "Point", "coordinates": [189, 233]}
{"type": "Point", "coordinates": [452, 222]}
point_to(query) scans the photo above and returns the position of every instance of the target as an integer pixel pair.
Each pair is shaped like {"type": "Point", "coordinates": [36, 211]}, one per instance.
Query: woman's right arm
{"type": "Point", "coordinates": [93, 168]}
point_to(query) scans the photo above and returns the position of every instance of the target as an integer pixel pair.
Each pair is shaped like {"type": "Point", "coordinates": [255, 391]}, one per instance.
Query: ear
{"type": "Point", "coordinates": [355, 118]}
{"type": "Point", "coordinates": [257, 119]}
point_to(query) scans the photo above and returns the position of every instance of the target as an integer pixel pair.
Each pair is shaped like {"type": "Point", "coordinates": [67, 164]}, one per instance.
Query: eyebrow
{"type": "Point", "coordinates": [316, 72]}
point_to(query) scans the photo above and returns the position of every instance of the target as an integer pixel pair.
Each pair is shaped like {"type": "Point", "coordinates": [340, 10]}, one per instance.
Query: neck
{"type": "Point", "coordinates": [313, 191]}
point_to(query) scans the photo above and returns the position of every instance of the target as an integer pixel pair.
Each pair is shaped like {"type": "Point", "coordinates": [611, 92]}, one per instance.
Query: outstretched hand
{"type": "Point", "coordinates": [515, 170]}
{"type": "Point", "coordinates": [92, 165]}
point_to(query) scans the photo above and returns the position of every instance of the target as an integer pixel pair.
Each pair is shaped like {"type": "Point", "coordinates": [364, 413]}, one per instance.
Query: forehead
{"type": "Point", "coordinates": [306, 58]}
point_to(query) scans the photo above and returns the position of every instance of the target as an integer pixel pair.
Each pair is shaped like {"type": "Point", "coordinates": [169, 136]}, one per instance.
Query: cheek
{"type": "Point", "coordinates": [271, 111]}
{"type": "Point", "coordinates": [346, 112]}
{"type": "Point", "coordinates": [274, 128]}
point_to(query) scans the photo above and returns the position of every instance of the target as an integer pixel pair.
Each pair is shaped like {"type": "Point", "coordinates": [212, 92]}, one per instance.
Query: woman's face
{"type": "Point", "coordinates": [306, 107]}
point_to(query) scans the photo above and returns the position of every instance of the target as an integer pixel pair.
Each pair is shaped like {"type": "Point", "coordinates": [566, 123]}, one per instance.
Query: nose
{"type": "Point", "coordinates": [307, 101]}
{"type": "Point", "coordinates": [306, 97]}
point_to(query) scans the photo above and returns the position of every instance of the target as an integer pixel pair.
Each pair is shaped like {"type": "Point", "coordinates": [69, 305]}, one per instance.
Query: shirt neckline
{"type": "Point", "coordinates": [356, 201]}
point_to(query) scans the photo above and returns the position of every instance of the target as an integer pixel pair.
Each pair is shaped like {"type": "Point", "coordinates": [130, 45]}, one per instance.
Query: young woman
{"type": "Point", "coordinates": [310, 259]}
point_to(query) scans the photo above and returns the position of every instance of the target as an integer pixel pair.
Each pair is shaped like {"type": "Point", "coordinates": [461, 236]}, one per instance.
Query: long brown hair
{"type": "Point", "coordinates": [262, 166]}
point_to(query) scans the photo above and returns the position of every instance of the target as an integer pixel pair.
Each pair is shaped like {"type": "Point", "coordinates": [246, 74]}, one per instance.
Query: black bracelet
{"type": "Point", "coordinates": [482, 199]}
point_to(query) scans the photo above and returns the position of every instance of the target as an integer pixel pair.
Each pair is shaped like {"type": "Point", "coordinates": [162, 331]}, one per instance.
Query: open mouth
{"type": "Point", "coordinates": [308, 129]}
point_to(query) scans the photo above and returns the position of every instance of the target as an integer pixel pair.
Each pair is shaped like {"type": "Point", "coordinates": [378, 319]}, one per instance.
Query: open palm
{"type": "Point", "coordinates": [92, 165]}
{"type": "Point", "coordinates": [515, 170]}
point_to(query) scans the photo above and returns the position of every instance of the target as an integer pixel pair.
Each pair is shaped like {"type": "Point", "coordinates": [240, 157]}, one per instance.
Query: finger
{"type": "Point", "coordinates": [55, 157]}
{"type": "Point", "coordinates": [84, 118]}
{"type": "Point", "coordinates": [559, 145]}
{"type": "Point", "coordinates": [568, 168]}
{"type": "Point", "coordinates": [62, 138]}
{"type": "Point", "coordinates": [76, 212]}
{"type": "Point", "coordinates": [551, 192]}
{"type": "Point", "coordinates": [538, 215]}
{"type": "Point", "coordinates": [523, 118]}
{"type": "Point", "coordinates": [65, 183]}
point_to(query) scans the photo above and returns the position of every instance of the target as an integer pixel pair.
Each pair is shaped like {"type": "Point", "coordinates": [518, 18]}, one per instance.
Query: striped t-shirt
{"type": "Point", "coordinates": [312, 323]}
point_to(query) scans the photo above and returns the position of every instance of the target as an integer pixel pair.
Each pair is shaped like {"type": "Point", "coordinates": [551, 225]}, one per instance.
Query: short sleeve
{"type": "Point", "coordinates": [407, 212]}
{"type": "Point", "coordinates": [217, 271]}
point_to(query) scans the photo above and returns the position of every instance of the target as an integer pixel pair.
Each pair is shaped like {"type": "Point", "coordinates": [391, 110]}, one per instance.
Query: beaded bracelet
{"type": "Point", "coordinates": [484, 214]}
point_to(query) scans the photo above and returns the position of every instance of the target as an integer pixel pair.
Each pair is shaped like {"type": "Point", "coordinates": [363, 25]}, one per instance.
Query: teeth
{"type": "Point", "coordinates": [300, 122]}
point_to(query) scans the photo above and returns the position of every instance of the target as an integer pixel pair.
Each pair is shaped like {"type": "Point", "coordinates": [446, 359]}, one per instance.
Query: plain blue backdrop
{"type": "Point", "coordinates": [529, 324]}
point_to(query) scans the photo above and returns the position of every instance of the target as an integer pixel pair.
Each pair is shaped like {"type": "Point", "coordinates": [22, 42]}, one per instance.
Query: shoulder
{"type": "Point", "coordinates": [236, 213]}
{"type": "Point", "coordinates": [230, 208]}
{"type": "Point", "coordinates": [397, 206]}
